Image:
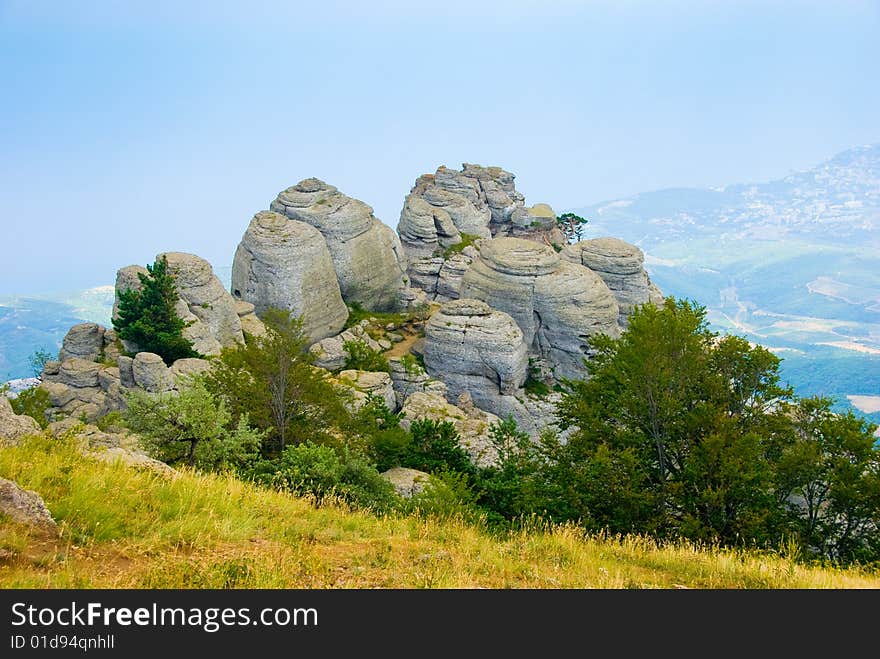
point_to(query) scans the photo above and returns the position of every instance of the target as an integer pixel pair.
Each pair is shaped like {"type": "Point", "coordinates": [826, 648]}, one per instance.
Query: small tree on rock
{"type": "Point", "coordinates": [146, 316]}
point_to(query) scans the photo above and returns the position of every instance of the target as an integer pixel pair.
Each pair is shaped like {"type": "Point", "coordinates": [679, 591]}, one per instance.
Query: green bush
{"type": "Point", "coordinates": [146, 316]}
{"type": "Point", "coordinates": [33, 402]}
{"type": "Point", "coordinates": [467, 240]}
{"type": "Point", "coordinates": [362, 357]}
{"type": "Point", "coordinates": [446, 495]}
{"type": "Point", "coordinates": [435, 448]}
{"type": "Point", "coordinates": [325, 472]}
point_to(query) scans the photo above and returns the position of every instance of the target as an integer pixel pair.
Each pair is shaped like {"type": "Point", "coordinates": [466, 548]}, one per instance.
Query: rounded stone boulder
{"type": "Point", "coordinates": [367, 255]}
{"type": "Point", "coordinates": [151, 373]}
{"type": "Point", "coordinates": [85, 341]}
{"type": "Point", "coordinates": [286, 264]}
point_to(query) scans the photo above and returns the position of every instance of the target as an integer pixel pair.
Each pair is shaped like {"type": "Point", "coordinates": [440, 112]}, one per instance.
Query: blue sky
{"type": "Point", "coordinates": [130, 128]}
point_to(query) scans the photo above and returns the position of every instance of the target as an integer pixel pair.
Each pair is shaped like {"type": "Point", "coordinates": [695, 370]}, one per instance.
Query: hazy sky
{"type": "Point", "coordinates": [129, 128]}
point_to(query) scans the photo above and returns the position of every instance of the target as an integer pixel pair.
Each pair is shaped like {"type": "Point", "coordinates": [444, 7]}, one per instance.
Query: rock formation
{"type": "Point", "coordinates": [24, 506]}
{"type": "Point", "coordinates": [621, 267]}
{"type": "Point", "coordinates": [285, 263]}
{"type": "Point", "coordinates": [558, 305]}
{"type": "Point", "coordinates": [365, 383]}
{"type": "Point", "coordinates": [203, 302]}
{"type": "Point", "coordinates": [14, 427]}
{"type": "Point", "coordinates": [330, 353]}
{"type": "Point", "coordinates": [407, 482]}
{"type": "Point", "coordinates": [366, 254]}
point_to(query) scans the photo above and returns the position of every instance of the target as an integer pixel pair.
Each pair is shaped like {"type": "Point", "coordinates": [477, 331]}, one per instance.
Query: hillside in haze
{"type": "Point", "coordinates": [791, 264]}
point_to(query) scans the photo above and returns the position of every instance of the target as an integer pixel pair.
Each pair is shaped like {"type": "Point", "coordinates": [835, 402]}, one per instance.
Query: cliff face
{"type": "Point", "coordinates": [516, 304]}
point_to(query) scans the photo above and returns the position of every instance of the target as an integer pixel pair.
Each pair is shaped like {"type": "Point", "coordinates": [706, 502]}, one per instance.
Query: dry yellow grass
{"type": "Point", "coordinates": [125, 528]}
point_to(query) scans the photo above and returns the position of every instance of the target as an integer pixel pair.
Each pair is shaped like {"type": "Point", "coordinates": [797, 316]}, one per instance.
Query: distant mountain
{"type": "Point", "coordinates": [792, 264]}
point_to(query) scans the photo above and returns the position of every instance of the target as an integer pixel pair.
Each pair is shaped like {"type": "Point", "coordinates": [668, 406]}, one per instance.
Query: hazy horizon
{"type": "Point", "coordinates": [140, 128]}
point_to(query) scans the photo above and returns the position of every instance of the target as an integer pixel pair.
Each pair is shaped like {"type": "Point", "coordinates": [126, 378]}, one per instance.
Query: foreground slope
{"type": "Point", "coordinates": [122, 527]}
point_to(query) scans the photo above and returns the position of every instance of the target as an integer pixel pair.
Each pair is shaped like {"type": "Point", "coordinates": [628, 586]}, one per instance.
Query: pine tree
{"type": "Point", "coordinates": [147, 318]}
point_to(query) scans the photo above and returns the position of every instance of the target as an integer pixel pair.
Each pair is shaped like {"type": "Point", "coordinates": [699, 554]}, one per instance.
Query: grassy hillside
{"type": "Point", "coordinates": [128, 528]}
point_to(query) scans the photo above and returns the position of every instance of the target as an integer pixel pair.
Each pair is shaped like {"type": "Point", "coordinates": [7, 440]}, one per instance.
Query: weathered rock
{"type": "Point", "coordinates": [128, 278]}
{"type": "Point", "coordinates": [14, 427]}
{"type": "Point", "coordinates": [250, 323]}
{"type": "Point", "coordinates": [558, 305]}
{"type": "Point", "coordinates": [84, 341]}
{"type": "Point", "coordinates": [450, 276]}
{"type": "Point", "coordinates": [407, 482]}
{"type": "Point", "coordinates": [126, 373]}
{"type": "Point", "coordinates": [330, 353]}
{"type": "Point", "coordinates": [621, 267]}
{"type": "Point", "coordinates": [132, 458]}
{"type": "Point", "coordinates": [107, 377]}
{"type": "Point", "coordinates": [364, 383]}
{"type": "Point", "coordinates": [472, 346]}
{"type": "Point", "coordinates": [24, 506]}
{"type": "Point", "coordinates": [188, 366]}
{"type": "Point", "coordinates": [112, 345]}
{"type": "Point", "coordinates": [76, 372]}
{"type": "Point", "coordinates": [59, 394]}
{"type": "Point", "coordinates": [472, 424]}
{"type": "Point", "coordinates": [425, 230]}
{"type": "Point", "coordinates": [367, 254]}
{"type": "Point", "coordinates": [207, 302]}
{"type": "Point", "coordinates": [150, 372]}
{"type": "Point", "coordinates": [285, 263]}
{"type": "Point", "coordinates": [408, 377]}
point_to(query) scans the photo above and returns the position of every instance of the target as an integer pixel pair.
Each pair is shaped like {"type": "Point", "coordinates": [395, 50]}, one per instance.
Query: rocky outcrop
{"type": "Point", "coordinates": [471, 424]}
{"type": "Point", "coordinates": [366, 383]}
{"type": "Point", "coordinates": [203, 303]}
{"type": "Point", "coordinates": [407, 482]}
{"type": "Point", "coordinates": [408, 377]}
{"type": "Point", "coordinates": [366, 254]}
{"type": "Point", "coordinates": [85, 341]}
{"type": "Point", "coordinates": [14, 427]}
{"type": "Point", "coordinates": [24, 506]}
{"type": "Point", "coordinates": [330, 353]}
{"type": "Point", "coordinates": [247, 316]}
{"type": "Point", "coordinates": [474, 347]}
{"type": "Point", "coordinates": [558, 305]}
{"type": "Point", "coordinates": [621, 267]}
{"type": "Point", "coordinates": [440, 278]}
{"type": "Point", "coordinates": [285, 263]}
{"type": "Point", "coordinates": [425, 230]}
{"type": "Point", "coordinates": [150, 373]}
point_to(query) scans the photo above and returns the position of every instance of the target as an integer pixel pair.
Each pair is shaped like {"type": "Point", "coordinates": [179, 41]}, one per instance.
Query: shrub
{"type": "Point", "coordinates": [37, 360]}
{"type": "Point", "coordinates": [33, 402]}
{"type": "Point", "coordinates": [146, 316]}
{"type": "Point", "coordinates": [325, 472]}
{"type": "Point", "coordinates": [362, 357]}
{"type": "Point", "coordinates": [435, 448]}
{"type": "Point", "coordinates": [467, 240]}
{"type": "Point", "coordinates": [446, 495]}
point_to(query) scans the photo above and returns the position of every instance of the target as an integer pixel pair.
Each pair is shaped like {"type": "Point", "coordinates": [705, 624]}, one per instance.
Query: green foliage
{"type": "Point", "coordinates": [37, 360]}
{"type": "Point", "coordinates": [435, 448]}
{"type": "Point", "coordinates": [147, 317]}
{"type": "Point", "coordinates": [191, 427]}
{"type": "Point", "coordinates": [271, 381]}
{"type": "Point", "coordinates": [413, 364]}
{"type": "Point", "coordinates": [571, 225]}
{"type": "Point", "coordinates": [326, 472]}
{"type": "Point", "coordinates": [386, 442]}
{"type": "Point", "coordinates": [33, 402]}
{"type": "Point", "coordinates": [357, 314]}
{"type": "Point", "coordinates": [112, 422]}
{"type": "Point", "coordinates": [446, 495]}
{"type": "Point", "coordinates": [467, 240]}
{"type": "Point", "coordinates": [362, 357]}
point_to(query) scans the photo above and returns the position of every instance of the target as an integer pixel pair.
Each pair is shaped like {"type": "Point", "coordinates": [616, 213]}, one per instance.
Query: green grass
{"type": "Point", "coordinates": [130, 528]}
{"type": "Point", "coordinates": [467, 240]}
{"type": "Point", "coordinates": [356, 313]}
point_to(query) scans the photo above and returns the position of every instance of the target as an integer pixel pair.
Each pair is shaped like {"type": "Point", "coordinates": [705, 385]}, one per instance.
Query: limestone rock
{"type": "Point", "coordinates": [425, 229]}
{"type": "Point", "coordinates": [408, 377]}
{"type": "Point", "coordinates": [111, 345]}
{"type": "Point", "coordinates": [132, 458]}
{"type": "Point", "coordinates": [471, 424]}
{"type": "Point", "coordinates": [13, 426]}
{"type": "Point", "coordinates": [150, 372]}
{"type": "Point", "coordinates": [188, 366]}
{"type": "Point", "coordinates": [24, 506]}
{"type": "Point", "coordinates": [406, 482]}
{"type": "Point", "coordinates": [250, 322]}
{"type": "Point", "coordinates": [126, 373]}
{"type": "Point", "coordinates": [558, 305]}
{"type": "Point", "coordinates": [367, 255]}
{"type": "Point", "coordinates": [285, 263]}
{"type": "Point", "coordinates": [470, 345]}
{"type": "Point", "coordinates": [84, 341]}
{"type": "Point", "coordinates": [621, 267]}
{"type": "Point", "coordinates": [330, 353]}
{"type": "Point", "coordinates": [76, 372]}
{"type": "Point", "coordinates": [364, 383]}
{"type": "Point", "coordinates": [207, 302]}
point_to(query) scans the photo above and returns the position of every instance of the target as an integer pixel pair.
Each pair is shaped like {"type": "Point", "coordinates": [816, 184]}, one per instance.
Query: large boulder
{"type": "Point", "coordinates": [471, 346]}
{"type": "Point", "coordinates": [408, 377]}
{"type": "Point", "coordinates": [285, 263]}
{"type": "Point", "coordinates": [407, 482]}
{"type": "Point", "coordinates": [24, 506]}
{"type": "Point", "coordinates": [621, 267]}
{"type": "Point", "coordinates": [366, 254]}
{"type": "Point", "coordinates": [84, 341]}
{"type": "Point", "coordinates": [151, 373]}
{"type": "Point", "coordinates": [558, 305]}
{"type": "Point", "coordinates": [14, 427]}
{"type": "Point", "coordinates": [79, 373]}
{"type": "Point", "coordinates": [210, 308]}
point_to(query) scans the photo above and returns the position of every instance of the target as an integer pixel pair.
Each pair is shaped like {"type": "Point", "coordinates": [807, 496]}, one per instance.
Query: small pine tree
{"type": "Point", "coordinates": [146, 316]}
